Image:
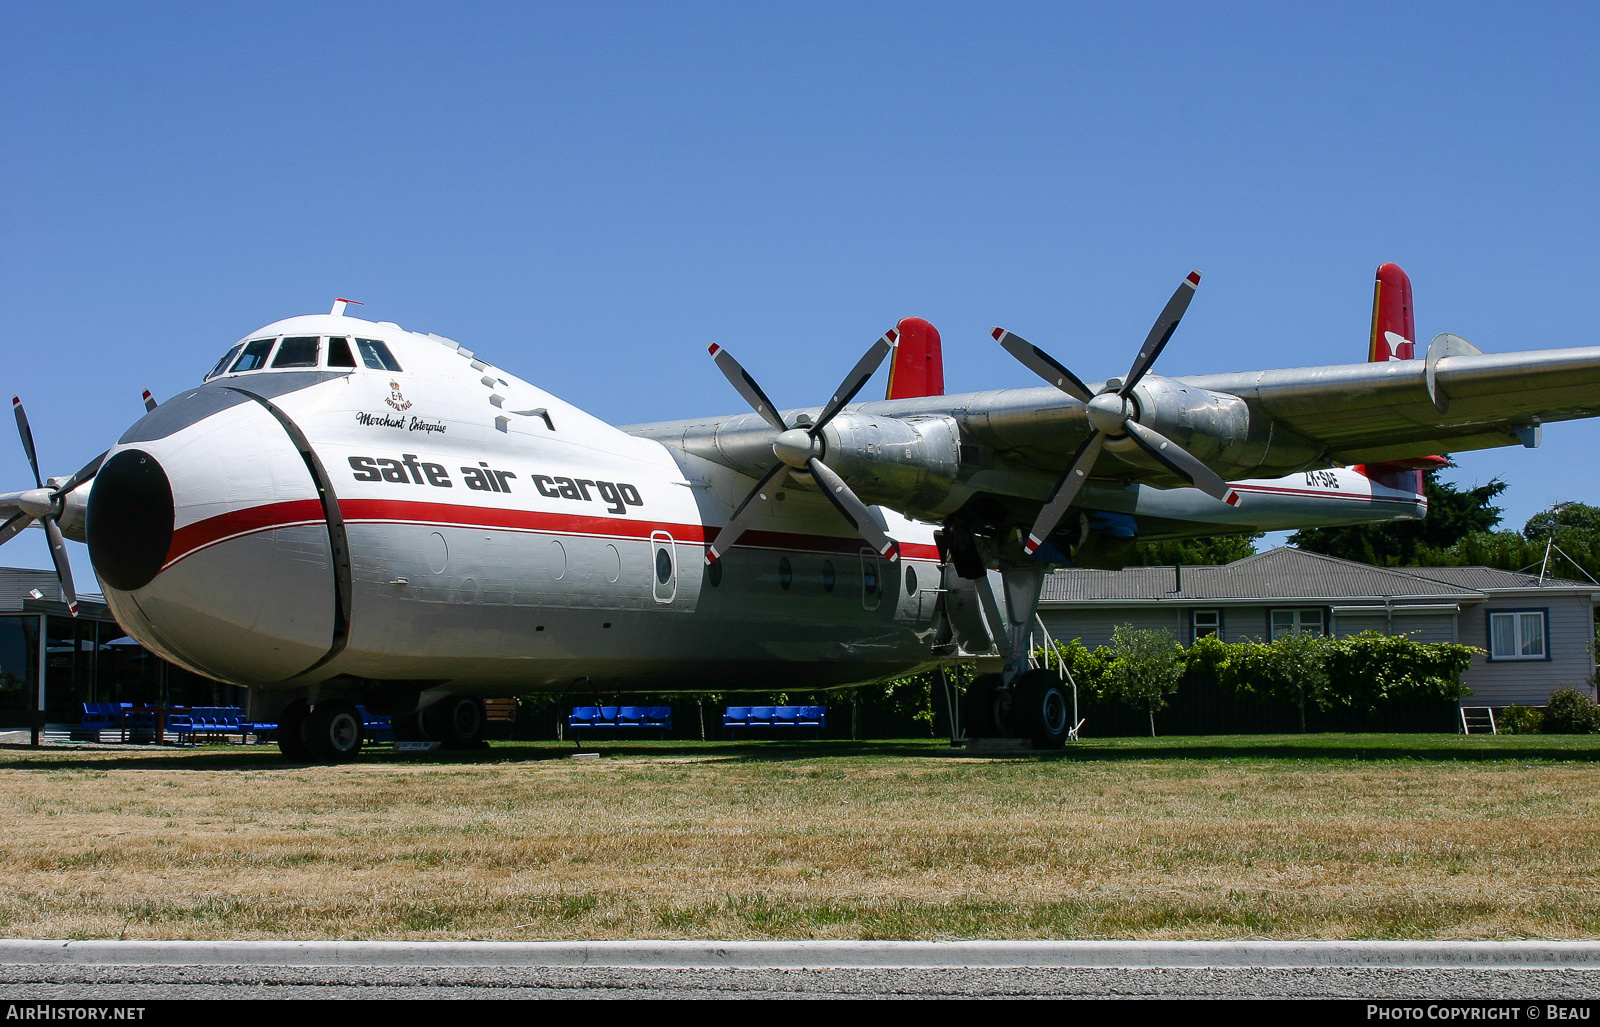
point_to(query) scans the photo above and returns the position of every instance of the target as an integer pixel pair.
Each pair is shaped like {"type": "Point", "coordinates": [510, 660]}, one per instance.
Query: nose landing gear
{"type": "Point", "coordinates": [329, 732]}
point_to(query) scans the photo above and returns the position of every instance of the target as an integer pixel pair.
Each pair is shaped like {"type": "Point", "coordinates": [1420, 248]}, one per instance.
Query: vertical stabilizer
{"type": "Point", "coordinates": [1394, 337]}
{"type": "Point", "coordinates": [1394, 323]}
{"type": "Point", "coordinates": [917, 368]}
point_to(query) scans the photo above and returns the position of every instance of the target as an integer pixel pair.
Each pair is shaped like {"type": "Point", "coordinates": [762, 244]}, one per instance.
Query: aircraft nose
{"type": "Point", "coordinates": [211, 542]}
{"type": "Point", "coordinates": [130, 520]}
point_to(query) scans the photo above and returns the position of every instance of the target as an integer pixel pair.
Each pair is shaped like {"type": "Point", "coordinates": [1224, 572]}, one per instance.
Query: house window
{"type": "Point", "coordinates": [1518, 635]}
{"type": "Point", "coordinates": [1206, 622]}
{"type": "Point", "coordinates": [1309, 620]}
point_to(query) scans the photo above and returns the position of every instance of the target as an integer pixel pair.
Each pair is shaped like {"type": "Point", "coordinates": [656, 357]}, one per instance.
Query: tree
{"type": "Point", "coordinates": [1453, 514]}
{"type": "Point", "coordinates": [1573, 527]}
{"type": "Point", "coordinates": [1209, 551]}
{"type": "Point", "coordinates": [1145, 668]}
{"type": "Point", "coordinates": [1292, 669]}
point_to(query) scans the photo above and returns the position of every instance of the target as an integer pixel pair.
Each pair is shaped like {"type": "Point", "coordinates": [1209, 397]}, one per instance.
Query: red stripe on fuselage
{"type": "Point", "coordinates": [192, 538]}
{"type": "Point", "coordinates": [201, 534]}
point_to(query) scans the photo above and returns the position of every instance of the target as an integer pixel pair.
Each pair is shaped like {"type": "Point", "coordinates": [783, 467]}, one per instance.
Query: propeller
{"type": "Point", "coordinates": [1112, 415]}
{"type": "Point", "coordinates": [42, 503]}
{"type": "Point", "coordinates": [799, 448]}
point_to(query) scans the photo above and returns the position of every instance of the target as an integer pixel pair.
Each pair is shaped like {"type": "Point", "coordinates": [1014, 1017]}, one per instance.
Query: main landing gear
{"type": "Point", "coordinates": [1036, 707]}
{"type": "Point", "coordinates": [333, 731]}
{"type": "Point", "coordinates": [1022, 701]}
{"type": "Point", "coordinates": [329, 732]}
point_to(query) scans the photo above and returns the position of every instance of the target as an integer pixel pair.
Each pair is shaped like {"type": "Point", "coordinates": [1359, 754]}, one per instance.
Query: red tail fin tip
{"type": "Point", "coordinates": [1394, 322]}
{"type": "Point", "coordinates": [917, 367]}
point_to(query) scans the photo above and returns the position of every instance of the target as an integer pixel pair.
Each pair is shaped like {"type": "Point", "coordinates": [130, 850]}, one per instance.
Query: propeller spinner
{"type": "Point", "coordinates": [799, 448]}
{"type": "Point", "coordinates": [1112, 414]}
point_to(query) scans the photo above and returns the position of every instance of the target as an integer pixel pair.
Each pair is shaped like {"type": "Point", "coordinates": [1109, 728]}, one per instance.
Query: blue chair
{"type": "Point", "coordinates": [375, 729]}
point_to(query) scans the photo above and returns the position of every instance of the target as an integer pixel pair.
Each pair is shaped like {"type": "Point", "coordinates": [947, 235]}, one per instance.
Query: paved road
{"type": "Point", "coordinates": [133, 984]}
{"type": "Point", "coordinates": [135, 971]}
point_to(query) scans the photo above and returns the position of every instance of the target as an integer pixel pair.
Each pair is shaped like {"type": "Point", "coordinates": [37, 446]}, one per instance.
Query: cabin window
{"type": "Point", "coordinates": [254, 356]}
{"type": "Point", "coordinates": [828, 577]}
{"type": "Point", "coordinates": [1206, 622]}
{"type": "Point", "coordinates": [221, 365]}
{"type": "Point", "coordinates": [339, 353]}
{"type": "Point", "coordinates": [1307, 620]}
{"type": "Point", "coordinates": [297, 351]}
{"type": "Point", "coordinates": [785, 573]}
{"type": "Point", "coordinates": [376, 355]}
{"type": "Point", "coordinates": [1518, 635]}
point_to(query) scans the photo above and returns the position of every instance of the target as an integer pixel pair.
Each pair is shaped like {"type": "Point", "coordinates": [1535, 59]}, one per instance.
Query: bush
{"type": "Point", "coordinates": [1520, 720]}
{"type": "Point", "coordinates": [1570, 712]}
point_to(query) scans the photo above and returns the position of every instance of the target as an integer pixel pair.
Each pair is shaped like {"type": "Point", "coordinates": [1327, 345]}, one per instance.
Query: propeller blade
{"type": "Point", "coordinates": [58, 553]}
{"type": "Point", "coordinates": [1042, 364]}
{"type": "Point", "coordinates": [87, 471]}
{"type": "Point", "coordinates": [747, 386]}
{"type": "Point", "coordinates": [855, 379]}
{"type": "Point", "coordinates": [747, 512]}
{"type": "Point", "coordinates": [1160, 332]}
{"type": "Point", "coordinates": [1071, 481]}
{"type": "Point", "coordinates": [1180, 462]}
{"type": "Point", "coordinates": [27, 439]}
{"type": "Point", "coordinates": [149, 401]}
{"type": "Point", "coordinates": [854, 510]}
{"type": "Point", "coordinates": [13, 526]}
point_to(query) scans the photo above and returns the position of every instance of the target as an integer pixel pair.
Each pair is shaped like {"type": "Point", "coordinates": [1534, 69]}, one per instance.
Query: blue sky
{"type": "Point", "coordinates": [589, 193]}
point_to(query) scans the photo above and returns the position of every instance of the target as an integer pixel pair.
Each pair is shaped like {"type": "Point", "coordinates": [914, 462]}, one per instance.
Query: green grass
{"type": "Point", "coordinates": [1402, 836]}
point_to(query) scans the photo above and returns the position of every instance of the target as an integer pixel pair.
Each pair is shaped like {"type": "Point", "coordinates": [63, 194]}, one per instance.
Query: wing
{"type": "Point", "coordinates": [1364, 413]}
{"type": "Point", "coordinates": [929, 456]}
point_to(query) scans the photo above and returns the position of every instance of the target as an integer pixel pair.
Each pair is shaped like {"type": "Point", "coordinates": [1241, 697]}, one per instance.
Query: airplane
{"type": "Point", "coordinates": [347, 513]}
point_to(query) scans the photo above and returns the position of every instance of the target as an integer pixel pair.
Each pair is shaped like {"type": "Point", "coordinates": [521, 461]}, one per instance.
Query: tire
{"type": "Point", "coordinates": [1040, 709]}
{"type": "Point", "coordinates": [977, 707]}
{"type": "Point", "coordinates": [333, 732]}
{"type": "Point", "coordinates": [290, 723]}
{"type": "Point", "coordinates": [457, 721]}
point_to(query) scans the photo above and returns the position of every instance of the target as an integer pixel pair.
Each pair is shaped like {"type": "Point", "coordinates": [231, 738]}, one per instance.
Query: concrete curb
{"type": "Point", "coordinates": [809, 954]}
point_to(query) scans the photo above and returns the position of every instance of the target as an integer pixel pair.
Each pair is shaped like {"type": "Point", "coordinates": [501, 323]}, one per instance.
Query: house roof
{"type": "Point", "coordinates": [1488, 578]}
{"type": "Point", "coordinates": [1281, 574]}
{"type": "Point", "coordinates": [15, 595]}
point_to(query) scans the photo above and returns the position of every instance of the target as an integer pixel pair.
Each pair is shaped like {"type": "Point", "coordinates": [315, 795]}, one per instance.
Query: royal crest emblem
{"type": "Point", "coordinates": [396, 400]}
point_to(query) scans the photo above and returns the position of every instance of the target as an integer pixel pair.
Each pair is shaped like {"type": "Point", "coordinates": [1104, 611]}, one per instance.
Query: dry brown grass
{"type": "Point", "coordinates": [824, 843]}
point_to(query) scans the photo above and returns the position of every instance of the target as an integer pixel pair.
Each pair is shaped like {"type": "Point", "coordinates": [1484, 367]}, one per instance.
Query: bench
{"type": "Point", "coordinates": [619, 718]}
{"type": "Point", "coordinates": [217, 722]}
{"type": "Point", "coordinates": [735, 717]}
{"type": "Point", "coordinates": [103, 716]}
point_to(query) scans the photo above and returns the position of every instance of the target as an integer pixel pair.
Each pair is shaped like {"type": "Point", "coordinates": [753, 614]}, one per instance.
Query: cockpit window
{"type": "Point", "coordinates": [297, 351]}
{"type": "Point", "coordinates": [227, 358]}
{"type": "Point", "coordinates": [376, 355]}
{"type": "Point", "coordinates": [254, 356]}
{"type": "Point", "coordinates": [339, 353]}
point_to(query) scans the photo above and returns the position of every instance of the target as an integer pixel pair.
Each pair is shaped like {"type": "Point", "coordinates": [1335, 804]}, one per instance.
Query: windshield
{"type": "Point", "coordinates": [226, 358]}
{"type": "Point", "coordinates": [376, 355]}
{"type": "Point", "coordinates": [297, 351]}
{"type": "Point", "coordinates": [254, 355]}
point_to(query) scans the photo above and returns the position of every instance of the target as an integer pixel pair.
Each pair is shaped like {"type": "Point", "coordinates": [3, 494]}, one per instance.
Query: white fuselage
{"type": "Point", "coordinates": [489, 547]}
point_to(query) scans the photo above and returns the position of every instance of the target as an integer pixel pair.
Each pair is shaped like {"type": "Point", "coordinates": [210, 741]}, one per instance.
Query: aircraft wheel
{"type": "Point", "coordinates": [457, 721]}
{"type": "Point", "coordinates": [290, 723]}
{"type": "Point", "coordinates": [333, 731]}
{"type": "Point", "coordinates": [978, 707]}
{"type": "Point", "coordinates": [1039, 709]}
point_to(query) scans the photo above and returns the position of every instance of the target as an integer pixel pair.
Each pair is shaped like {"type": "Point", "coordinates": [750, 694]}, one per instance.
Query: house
{"type": "Point", "coordinates": [87, 658]}
{"type": "Point", "coordinates": [1536, 633]}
